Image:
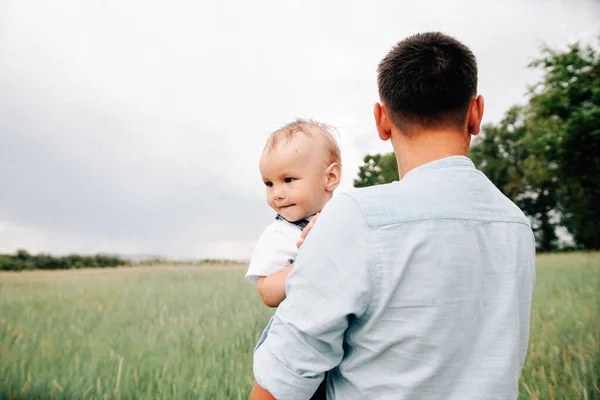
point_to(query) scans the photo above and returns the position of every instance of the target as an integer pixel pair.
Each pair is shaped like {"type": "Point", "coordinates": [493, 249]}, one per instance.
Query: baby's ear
{"type": "Point", "coordinates": [333, 174]}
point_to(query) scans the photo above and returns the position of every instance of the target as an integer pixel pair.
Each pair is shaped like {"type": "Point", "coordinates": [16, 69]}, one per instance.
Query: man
{"type": "Point", "coordinates": [419, 289]}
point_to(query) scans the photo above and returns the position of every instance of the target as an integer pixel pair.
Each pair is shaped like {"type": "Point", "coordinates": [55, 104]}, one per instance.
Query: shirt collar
{"type": "Point", "coordinates": [452, 161]}
{"type": "Point", "coordinates": [300, 224]}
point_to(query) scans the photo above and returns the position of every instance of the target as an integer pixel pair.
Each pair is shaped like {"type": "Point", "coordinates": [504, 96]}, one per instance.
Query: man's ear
{"type": "Point", "coordinates": [382, 121]}
{"type": "Point", "coordinates": [475, 115]}
{"type": "Point", "coordinates": [333, 174]}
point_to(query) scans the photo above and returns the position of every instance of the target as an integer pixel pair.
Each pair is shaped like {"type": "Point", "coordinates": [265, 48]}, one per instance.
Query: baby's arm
{"type": "Point", "coordinates": [272, 287]}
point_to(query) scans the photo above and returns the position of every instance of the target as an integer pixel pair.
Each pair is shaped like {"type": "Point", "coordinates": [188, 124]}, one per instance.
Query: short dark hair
{"type": "Point", "coordinates": [428, 80]}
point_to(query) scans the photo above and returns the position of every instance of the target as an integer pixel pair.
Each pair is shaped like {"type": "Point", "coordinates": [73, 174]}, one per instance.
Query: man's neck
{"type": "Point", "coordinates": [427, 146]}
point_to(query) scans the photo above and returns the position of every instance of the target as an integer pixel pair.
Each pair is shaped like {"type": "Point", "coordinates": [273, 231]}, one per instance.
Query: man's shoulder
{"type": "Point", "coordinates": [361, 198]}
{"type": "Point", "coordinates": [366, 194]}
{"type": "Point", "coordinates": [466, 195]}
{"type": "Point", "coordinates": [365, 202]}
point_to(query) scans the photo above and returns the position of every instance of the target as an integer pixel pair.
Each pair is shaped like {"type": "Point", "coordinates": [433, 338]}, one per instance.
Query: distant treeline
{"type": "Point", "coordinates": [207, 261]}
{"type": "Point", "coordinates": [22, 261]}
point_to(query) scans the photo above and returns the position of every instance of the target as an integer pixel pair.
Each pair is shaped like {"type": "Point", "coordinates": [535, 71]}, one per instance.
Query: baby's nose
{"type": "Point", "coordinates": [279, 194]}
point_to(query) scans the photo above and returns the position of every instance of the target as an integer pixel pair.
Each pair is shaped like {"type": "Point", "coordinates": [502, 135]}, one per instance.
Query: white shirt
{"type": "Point", "coordinates": [275, 250]}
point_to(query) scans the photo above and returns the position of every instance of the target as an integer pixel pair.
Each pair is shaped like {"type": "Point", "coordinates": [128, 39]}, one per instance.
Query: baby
{"type": "Point", "coordinates": [301, 167]}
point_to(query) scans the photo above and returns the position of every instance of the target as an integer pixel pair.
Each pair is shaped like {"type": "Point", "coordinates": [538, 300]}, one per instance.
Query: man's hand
{"type": "Point", "coordinates": [306, 230]}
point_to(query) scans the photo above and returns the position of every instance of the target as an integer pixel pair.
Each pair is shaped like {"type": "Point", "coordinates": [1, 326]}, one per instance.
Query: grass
{"type": "Point", "coordinates": [188, 332]}
{"type": "Point", "coordinates": [128, 333]}
{"type": "Point", "coordinates": [563, 359]}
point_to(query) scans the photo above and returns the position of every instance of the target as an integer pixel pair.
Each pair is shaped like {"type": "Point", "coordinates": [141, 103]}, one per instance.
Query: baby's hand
{"type": "Point", "coordinates": [306, 230]}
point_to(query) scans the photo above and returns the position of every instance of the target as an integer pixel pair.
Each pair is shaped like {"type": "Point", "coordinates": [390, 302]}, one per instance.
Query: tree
{"type": "Point", "coordinates": [377, 169]}
{"type": "Point", "coordinates": [567, 104]}
{"type": "Point", "coordinates": [545, 155]}
{"type": "Point", "coordinates": [504, 154]}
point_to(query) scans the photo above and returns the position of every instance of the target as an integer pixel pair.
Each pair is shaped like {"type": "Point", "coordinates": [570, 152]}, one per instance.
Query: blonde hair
{"type": "Point", "coordinates": [302, 126]}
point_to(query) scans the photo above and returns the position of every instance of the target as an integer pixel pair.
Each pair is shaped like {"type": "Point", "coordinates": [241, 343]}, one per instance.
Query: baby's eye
{"type": "Point", "coordinates": [269, 184]}
{"type": "Point", "coordinates": [289, 180]}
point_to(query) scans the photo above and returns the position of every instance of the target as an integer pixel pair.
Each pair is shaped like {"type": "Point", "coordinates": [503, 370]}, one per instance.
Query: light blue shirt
{"type": "Point", "coordinates": [419, 289]}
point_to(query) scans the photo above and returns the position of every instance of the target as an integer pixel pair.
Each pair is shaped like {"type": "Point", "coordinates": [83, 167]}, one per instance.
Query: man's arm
{"type": "Point", "coordinates": [272, 287]}
{"type": "Point", "coordinates": [329, 284]}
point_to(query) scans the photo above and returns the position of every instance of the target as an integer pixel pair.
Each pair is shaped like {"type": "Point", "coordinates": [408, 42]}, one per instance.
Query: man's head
{"type": "Point", "coordinates": [429, 82]}
{"type": "Point", "coordinates": [301, 167]}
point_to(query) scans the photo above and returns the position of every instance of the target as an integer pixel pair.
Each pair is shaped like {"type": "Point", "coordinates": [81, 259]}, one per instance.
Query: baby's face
{"type": "Point", "coordinates": [294, 174]}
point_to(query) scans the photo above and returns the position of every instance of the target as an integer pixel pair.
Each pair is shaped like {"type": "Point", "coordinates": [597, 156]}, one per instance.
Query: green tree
{"type": "Point", "coordinates": [545, 155]}
{"type": "Point", "coordinates": [566, 105]}
{"type": "Point", "coordinates": [377, 169]}
{"type": "Point", "coordinates": [504, 154]}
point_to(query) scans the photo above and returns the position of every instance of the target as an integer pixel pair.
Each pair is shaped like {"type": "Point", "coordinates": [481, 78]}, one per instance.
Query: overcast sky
{"type": "Point", "coordinates": [136, 126]}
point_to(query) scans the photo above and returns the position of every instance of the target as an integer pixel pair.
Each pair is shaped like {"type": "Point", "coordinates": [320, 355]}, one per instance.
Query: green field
{"type": "Point", "coordinates": [188, 332]}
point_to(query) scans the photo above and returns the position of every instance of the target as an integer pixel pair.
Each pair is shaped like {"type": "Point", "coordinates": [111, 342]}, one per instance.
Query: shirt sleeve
{"type": "Point", "coordinates": [329, 286]}
{"type": "Point", "coordinates": [273, 251]}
